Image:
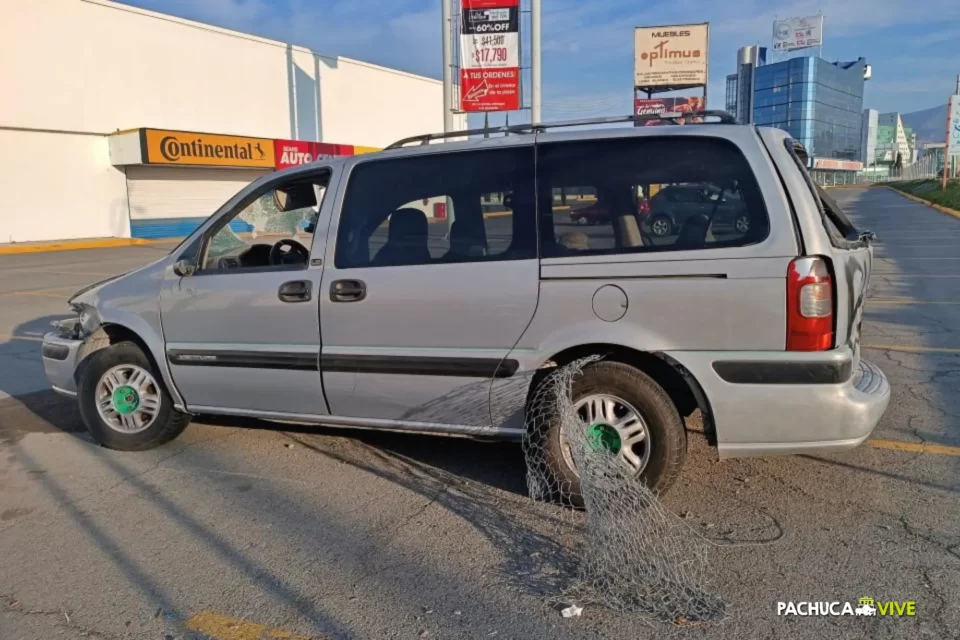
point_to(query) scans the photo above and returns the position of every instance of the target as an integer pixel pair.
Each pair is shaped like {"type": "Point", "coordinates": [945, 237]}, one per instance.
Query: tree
{"type": "Point", "coordinates": [898, 163]}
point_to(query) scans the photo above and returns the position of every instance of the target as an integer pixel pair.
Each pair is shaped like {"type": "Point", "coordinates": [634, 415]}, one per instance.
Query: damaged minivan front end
{"type": "Point", "coordinates": [63, 348]}
{"type": "Point", "coordinates": [95, 307]}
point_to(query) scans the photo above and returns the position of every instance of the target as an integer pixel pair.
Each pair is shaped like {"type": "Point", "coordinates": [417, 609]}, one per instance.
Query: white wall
{"type": "Point", "coordinates": [57, 186]}
{"type": "Point", "coordinates": [376, 107]}
{"type": "Point", "coordinates": [94, 66]}
{"type": "Point", "coordinates": [97, 66]}
{"type": "Point", "coordinates": [868, 137]}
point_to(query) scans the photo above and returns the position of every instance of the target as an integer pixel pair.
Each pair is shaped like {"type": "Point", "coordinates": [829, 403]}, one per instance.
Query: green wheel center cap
{"type": "Point", "coordinates": [603, 437]}
{"type": "Point", "coordinates": [125, 400]}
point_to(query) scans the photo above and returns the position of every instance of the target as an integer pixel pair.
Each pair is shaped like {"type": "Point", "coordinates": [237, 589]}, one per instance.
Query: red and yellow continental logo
{"type": "Point", "coordinates": [186, 148]}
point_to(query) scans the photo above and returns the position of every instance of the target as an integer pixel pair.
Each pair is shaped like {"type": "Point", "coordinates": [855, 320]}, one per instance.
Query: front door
{"type": "Point", "coordinates": [242, 333]}
{"type": "Point", "coordinates": [431, 279]}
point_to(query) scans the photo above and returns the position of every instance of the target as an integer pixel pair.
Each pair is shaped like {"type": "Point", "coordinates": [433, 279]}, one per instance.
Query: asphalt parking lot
{"type": "Point", "coordinates": [247, 531]}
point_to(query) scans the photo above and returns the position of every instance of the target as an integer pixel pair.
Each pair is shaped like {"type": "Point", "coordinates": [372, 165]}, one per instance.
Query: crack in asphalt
{"type": "Point", "coordinates": [12, 605]}
{"type": "Point", "coordinates": [942, 601]}
{"type": "Point", "coordinates": [942, 546]}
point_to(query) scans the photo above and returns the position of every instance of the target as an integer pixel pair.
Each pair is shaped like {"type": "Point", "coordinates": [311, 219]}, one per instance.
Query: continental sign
{"type": "Point", "coordinates": [206, 149]}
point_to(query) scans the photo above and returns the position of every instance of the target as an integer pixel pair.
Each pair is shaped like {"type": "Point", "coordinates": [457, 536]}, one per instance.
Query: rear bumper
{"type": "Point", "coordinates": [754, 419]}
{"type": "Point", "coordinates": [59, 357]}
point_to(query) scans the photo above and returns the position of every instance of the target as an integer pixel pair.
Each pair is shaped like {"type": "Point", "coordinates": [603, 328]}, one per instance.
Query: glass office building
{"type": "Point", "coordinates": [740, 85]}
{"type": "Point", "coordinates": [731, 96]}
{"type": "Point", "coordinates": [819, 103]}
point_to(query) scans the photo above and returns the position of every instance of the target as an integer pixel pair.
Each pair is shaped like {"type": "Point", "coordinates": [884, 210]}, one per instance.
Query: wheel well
{"type": "Point", "coordinates": [119, 333]}
{"type": "Point", "coordinates": [683, 389]}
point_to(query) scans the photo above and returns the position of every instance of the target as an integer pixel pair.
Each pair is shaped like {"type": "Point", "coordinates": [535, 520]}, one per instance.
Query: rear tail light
{"type": "Point", "coordinates": [810, 305]}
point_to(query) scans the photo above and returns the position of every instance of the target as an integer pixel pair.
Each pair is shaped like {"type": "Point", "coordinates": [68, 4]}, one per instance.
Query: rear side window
{"type": "Point", "coordinates": [839, 227]}
{"type": "Point", "coordinates": [647, 194]}
{"type": "Point", "coordinates": [439, 208]}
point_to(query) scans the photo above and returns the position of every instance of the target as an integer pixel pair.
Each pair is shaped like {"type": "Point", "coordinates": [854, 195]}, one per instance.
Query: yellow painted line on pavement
{"type": "Point", "coordinates": [915, 447]}
{"type": "Point", "coordinates": [10, 336]}
{"type": "Point", "coordinates": [95, 243]}
{"type": "Point", "coordinates": [47, 292]}
{"type": "Point", "coordinates": [221, 627]}
{"type": "Point", "coordinates": [72, 273]}
{"type": "Point", "coordinates": [912, 275]}
{"type": "Point", "coordinates": [951, 244]}
{"type": "Point", "coordinates": [932, 205]}
{"type": "Point", "coordinates": [905, 301]}
{"type": "Point", "coordinates": [42, 294]}
{"type": "Point", "coordinates": [908, 348]}
{"type": "Point", "coordinates": [912, 236]}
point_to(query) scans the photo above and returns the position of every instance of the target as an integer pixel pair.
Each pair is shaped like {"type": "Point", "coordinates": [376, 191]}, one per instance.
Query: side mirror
{"type": "Point", "coordinates": [184, 268]}
{"type": "Point", "coordinates": [280, 199]}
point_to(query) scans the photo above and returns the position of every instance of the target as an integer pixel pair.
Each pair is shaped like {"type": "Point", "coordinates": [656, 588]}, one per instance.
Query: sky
{"type": "Point", "coordinates": [588, 44]}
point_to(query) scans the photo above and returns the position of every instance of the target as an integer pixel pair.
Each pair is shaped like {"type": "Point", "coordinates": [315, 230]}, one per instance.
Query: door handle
{"type": "Point", "coordinates": [348, 291]}
{"type": "Point", "coordinates": [295, 291]}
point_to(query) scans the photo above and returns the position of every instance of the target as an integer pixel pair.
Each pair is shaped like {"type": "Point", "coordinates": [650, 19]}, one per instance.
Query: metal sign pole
{"type": "Point", "coordinates": [535, 78]}
{"type": "Point", "coordinates": [447, 66]}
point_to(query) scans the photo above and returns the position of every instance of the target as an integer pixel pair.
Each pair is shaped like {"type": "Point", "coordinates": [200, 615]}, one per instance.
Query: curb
{"type": "Point", "coordinates": [932, 205]}
{"type": "Point", "coordinates": [101, 243]}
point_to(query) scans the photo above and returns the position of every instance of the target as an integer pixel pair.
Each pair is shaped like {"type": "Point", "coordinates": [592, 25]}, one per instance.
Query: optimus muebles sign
{"type": "Point", "coordinates": [671, 56]}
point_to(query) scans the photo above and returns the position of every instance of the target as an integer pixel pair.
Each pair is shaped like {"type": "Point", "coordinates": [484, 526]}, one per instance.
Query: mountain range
{"type": "Point", "coordinates": [930, 125]}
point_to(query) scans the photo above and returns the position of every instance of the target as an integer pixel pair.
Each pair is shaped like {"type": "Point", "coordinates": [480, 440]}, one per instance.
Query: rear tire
{"type": "Point", "coordinates": [742, 224]}
{"type": "Point", "coordinates": [667, 436]}
{"type": "Point", "coordinates": [123, 401]}
{"type": "Point", "coordinates": [661, 226]}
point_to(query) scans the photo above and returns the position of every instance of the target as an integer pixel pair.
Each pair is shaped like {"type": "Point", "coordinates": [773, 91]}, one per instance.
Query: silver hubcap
{"type": "Point", "coordinates": [661, 227]}
{"type": "Point", "coordinates": [743, 224]}
{"type": "Point", "coordinates": [128, 399]}
{"type": "Point", "coordinates": [614, 425]}
{"type": "Point", "coordinates": [582, 220]}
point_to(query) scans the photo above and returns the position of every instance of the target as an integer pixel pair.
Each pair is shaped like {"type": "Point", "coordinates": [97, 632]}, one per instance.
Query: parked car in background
{"type": "Point", "coordinates": [596, 213]}
{"type": "Point", "coordinates": [675, 204]}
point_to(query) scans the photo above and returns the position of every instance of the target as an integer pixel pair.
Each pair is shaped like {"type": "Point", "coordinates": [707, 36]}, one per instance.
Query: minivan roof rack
{"type": "Point", "coordinates": [672, 117]}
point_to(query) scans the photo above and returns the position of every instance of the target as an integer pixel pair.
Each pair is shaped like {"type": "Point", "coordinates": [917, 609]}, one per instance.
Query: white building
{"type": "Point", "coordinates": [868, 137]}
{"type": "Point", "coordinates": [893, 139]}
{"type": "Point", "coordinates": [92, 89]}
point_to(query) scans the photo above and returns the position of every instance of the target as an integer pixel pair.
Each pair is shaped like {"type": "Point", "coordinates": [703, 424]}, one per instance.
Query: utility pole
{"type": "Point", "coordinates": [447, 66]}
{"type": "Point", "coordinates": [535, 61]}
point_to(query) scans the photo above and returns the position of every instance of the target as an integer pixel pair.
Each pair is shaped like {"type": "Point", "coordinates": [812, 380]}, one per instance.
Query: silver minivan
{"type": "Point", "coordinates": [432, 288]}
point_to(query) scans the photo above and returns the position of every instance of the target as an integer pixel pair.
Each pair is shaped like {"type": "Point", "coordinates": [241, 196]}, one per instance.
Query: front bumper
{"type": "Point", "coordinates": [796, 417]}
{"type": "Point", "coordinates": [60, 359]}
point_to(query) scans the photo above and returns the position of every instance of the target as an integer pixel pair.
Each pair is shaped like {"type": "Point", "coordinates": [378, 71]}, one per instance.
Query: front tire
{"type": "Point", "coordinates": [123, 401]}
{"type": "Point", "coordinates": [657, 438]}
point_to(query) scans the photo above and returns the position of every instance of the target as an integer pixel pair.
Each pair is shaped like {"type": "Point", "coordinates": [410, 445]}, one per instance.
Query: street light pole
{"type": "Point", "coordinates": [535, 61]}
{"type": "Point", "coordinates": [447, 66]}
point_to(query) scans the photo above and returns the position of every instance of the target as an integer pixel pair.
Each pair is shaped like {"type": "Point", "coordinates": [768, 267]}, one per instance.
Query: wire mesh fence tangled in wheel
{"type": "Point", "coordinates": [634, 555]}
